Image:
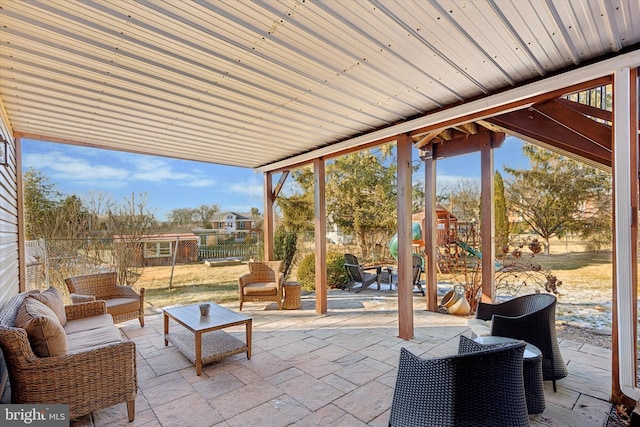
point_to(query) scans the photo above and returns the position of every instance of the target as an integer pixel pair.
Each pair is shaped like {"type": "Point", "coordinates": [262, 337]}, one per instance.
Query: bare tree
{"type": "Point", "coordinates": [128, 224]}
{"type": "Point", "coordinates": [558, 195]}
{"type": "Point", "coordinates": [203, 215]}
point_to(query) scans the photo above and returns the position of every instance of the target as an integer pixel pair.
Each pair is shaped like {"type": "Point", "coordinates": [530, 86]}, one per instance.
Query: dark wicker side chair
{"type": "Point", "coordinates": [480, 388]}
{"type": "Point", "coordinates": [531, 318]}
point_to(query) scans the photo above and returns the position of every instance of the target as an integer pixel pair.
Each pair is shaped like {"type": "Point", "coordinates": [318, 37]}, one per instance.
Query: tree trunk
{"type": "Point", "coordinates": [546, 246]}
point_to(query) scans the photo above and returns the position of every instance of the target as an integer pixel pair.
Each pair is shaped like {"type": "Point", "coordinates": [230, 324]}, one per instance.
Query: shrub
{"type": "Point", "coordinates": [337, 276]}
{"type": "Point", "coordinates": [306, 272]}
{"type": "Point", "coordinates": [284, 248]}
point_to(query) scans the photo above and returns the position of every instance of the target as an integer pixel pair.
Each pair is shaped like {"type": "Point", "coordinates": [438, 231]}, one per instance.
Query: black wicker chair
{"type": "Point", "coordinates": [482, 388]}
{"type": "Point", "coordinates": [531, 318]}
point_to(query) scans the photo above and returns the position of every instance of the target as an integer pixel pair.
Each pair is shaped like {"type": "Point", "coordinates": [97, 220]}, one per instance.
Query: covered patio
{"type": "Point", "coordinates": [336, 369]}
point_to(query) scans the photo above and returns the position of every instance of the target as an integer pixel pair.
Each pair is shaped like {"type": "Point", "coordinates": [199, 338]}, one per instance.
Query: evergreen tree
{"type": "Point", "coordinates": [501, 217]}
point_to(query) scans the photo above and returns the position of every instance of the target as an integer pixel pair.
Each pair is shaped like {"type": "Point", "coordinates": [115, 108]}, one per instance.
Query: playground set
{"type": "Point", "coordinates": [458, 243]}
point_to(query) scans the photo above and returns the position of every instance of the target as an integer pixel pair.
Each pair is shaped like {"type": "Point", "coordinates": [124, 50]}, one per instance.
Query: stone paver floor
{"type": "Point", "coordinates": [316, 370]}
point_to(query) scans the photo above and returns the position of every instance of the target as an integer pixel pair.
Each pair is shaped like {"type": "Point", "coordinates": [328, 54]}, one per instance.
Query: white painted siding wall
{"type": "Point", "coordinates": [9, 268]}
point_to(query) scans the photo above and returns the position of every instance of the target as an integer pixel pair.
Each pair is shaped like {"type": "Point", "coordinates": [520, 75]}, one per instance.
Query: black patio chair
{"type": "Point", "coordinates": [479, 388]}
{"type": "Point", "coordinates": [359, 278]}
{"type": "Point", "coordinates": [531, 318]}
{"type": "Point", "coordinates": [418, 268]}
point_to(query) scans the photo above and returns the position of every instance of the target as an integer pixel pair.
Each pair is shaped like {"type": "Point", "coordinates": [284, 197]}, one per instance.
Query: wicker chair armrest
{"type": "Point", "coordinates": [108, 372]}
{"type": "Point", "coordinates": [125, 292]}
{"type": "Point", "coordinates": [280, 281]}
{"type": "Point", "coordinates": [15, 346]}
{"type": "Point", "coordinates": [244, 280]}
{"type": "Point", "coordinates": [78, 298]}
{"type": "Point", "coordinates": [85, 309]}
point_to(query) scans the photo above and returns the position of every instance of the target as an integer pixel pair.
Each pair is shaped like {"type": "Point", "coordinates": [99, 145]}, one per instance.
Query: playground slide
{"type": "Point", "coordinates": [416, 232]}
{"type": "Point", "coordinates": [474, 252]}
{"type": "Point", "coordinates": [469, 249]}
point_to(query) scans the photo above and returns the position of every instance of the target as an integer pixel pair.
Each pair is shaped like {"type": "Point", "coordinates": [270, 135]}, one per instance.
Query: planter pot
{"type": "Point", "coordinates": [461, 307]}
{"type": "Point", "coordinates": [449, 299]}
{"type": "Point", "coordinates": [455, 302]}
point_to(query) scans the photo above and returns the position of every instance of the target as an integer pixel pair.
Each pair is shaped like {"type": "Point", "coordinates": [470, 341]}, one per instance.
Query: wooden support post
{"type": "Point", "coordinates": [487, 227]}
{"type": "Point", "coordinates": [320, 223]}
{"type": "Point", "coordinates": [430, 228]}
{"type": "Point", "coordinates": [267, 226]}
{"type": "Point", "coordinates": [405, 273]}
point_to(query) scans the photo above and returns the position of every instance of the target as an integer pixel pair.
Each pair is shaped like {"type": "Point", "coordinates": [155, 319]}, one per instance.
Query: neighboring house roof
{"type": "Point", "coordinates": [222, 216]}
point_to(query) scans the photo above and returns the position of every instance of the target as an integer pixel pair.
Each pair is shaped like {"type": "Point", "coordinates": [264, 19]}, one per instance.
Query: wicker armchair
{"type": "Point", "coordinates": [123, 303]}
{"type": "Point", "coordinates": [86, 381]}
{"type": "Point", "coordinates": [262, 283]}
{"type": "Point", "coordinates": [481, 388]}
{"type": "Point", "coordinates": [531, 318]}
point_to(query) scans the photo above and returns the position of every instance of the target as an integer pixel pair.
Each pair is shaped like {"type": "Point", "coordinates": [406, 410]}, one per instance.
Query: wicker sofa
{"type": "Point", "coordinates": [92, 369]}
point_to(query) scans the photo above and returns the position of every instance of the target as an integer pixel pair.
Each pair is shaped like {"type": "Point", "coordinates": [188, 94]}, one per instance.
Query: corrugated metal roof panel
{"type": "Point", "coordinates": [251, 83]}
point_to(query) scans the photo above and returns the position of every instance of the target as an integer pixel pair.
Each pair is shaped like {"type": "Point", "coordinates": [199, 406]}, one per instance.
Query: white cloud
{"type": "Point", "coordinates": [453, 180]}
{"type": "Point", "coordinates": [202, 182]}
{"type": "Point", "coordinates": [93, 172]}
{"type": "Point", "coordinates": [61, 167]}
{"type": "Point", "coordinates": [251, 187]}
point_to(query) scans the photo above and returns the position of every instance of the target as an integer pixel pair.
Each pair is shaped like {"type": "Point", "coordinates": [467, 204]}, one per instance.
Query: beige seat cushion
{"type": "Point", "coordinates": [81, 341]}
{"type": "Point", "coordinates": [44, 331]}
{"type": "Point", "coordinates": [260, 289]}
{"type": "Point", "coordinates": [481, 328]}
{"type": "Point", "coordinates": [52, 298]}
{"type": "Point", "coordinates": [116, 306]}
{"type": "Point", "coordinates": [88, 323]}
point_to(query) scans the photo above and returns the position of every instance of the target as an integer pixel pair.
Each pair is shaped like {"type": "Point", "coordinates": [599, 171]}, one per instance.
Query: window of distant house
{"type": "Point", "coordinates": [221, 224]}
{"type": "Point", "coordinates": [157, 249]}
{"type": "Point", "coordinates": [241, 224]}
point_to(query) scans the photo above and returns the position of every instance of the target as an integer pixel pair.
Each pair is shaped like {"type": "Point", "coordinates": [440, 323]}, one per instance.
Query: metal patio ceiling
{"type": "Point", "coordinates": [251, 83]}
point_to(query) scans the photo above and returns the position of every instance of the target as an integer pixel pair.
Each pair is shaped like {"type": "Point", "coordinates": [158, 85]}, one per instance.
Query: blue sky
{"type": "Point", "coordinates": [170, 183]}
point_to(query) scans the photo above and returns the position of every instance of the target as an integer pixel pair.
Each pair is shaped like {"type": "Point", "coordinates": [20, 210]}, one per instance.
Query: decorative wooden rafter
{"type": "Point", "coordinates": [464, 144]}
{"type": "Point", "coordinates": [554, 123]}
{"type": "Point", "coordinates": [281, 181]}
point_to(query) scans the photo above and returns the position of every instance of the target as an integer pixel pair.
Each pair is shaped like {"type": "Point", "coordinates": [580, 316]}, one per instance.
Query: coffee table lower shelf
{"type": "Point", "coordinates": [216, 345]}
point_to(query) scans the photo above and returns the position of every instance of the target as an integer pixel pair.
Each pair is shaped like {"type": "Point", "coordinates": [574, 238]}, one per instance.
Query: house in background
{"type": "Point", "coordinates": [234, 223]}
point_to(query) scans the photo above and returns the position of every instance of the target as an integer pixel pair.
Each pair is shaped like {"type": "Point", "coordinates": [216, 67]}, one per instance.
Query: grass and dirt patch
{"type": "Point", "coordinates": [189, 284]}
{"type": "Point", "coordinates": [586, 278]}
